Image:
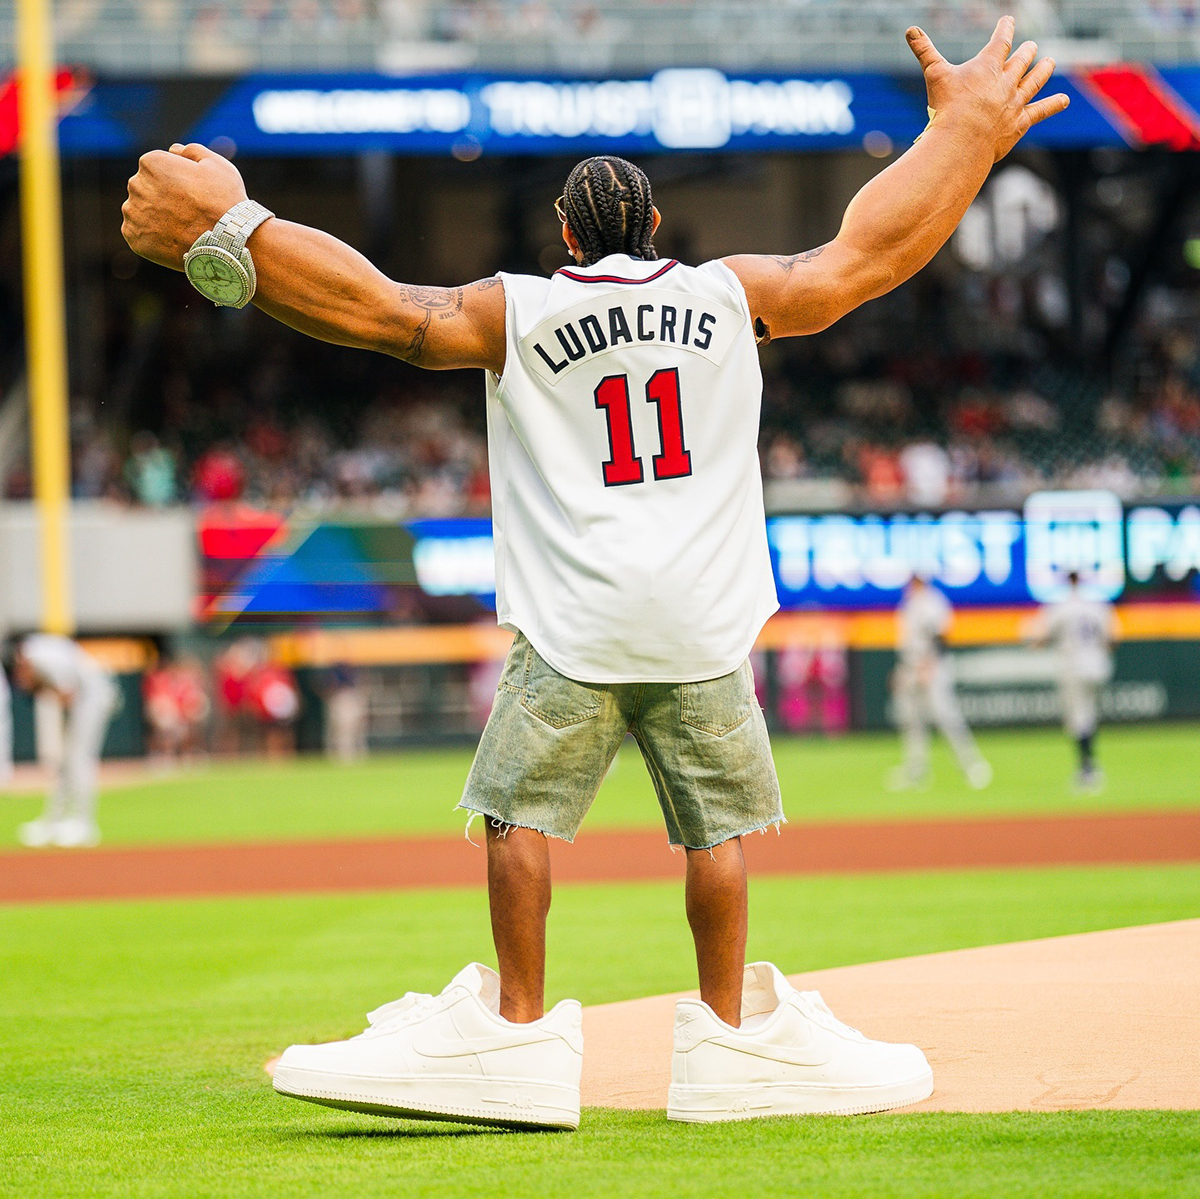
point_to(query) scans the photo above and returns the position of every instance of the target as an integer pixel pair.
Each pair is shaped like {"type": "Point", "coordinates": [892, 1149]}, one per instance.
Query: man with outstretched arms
{"type": "Point", "coordinates": [1082, 630]}
{"type": "Point", "coordinates": [923, 689]}
{"type": "Point", "coordinates": [632, 567]}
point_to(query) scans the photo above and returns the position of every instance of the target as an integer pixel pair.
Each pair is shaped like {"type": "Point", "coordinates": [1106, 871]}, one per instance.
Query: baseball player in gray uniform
{"type": "Point", "coordinates": [6, 731]}
{"type": "Point", "coordinates": [1083, 631]}
{"type": "Point", "coordinates": [47, 662]}
{"type": "Point", "coordinates": [923, 690]}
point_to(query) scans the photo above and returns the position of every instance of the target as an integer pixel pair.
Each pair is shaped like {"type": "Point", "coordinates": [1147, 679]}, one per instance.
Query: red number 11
{"type": "Point", "coordinates": [623, 465]}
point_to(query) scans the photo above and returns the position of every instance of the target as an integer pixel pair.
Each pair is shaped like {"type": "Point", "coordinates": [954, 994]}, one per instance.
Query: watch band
{"type": "Point", "coordinates": [233, 230]}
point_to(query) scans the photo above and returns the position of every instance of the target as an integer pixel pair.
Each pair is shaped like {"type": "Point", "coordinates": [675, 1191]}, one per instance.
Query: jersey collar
{"type": "Point", "coordinates": [619, 268]}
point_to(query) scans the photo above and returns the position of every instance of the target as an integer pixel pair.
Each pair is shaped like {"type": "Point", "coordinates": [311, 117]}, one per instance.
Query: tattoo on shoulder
{"type": "Point", "coordinates": [487, 284]}
{"type": "Point", "coordinates": [788, 261]}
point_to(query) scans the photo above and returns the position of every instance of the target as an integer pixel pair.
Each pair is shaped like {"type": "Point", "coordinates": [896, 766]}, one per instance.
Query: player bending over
{"type": "Point", "coordinates": [1082, 630]}
{"type": "Point", "coordinates": [45, 662]}
{"type": "Point", "coordinates": [623, 401]}
{"type": "Point", "coordinates": [923, 690]}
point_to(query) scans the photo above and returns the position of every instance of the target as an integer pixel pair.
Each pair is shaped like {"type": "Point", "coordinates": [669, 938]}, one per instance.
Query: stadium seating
{"type": "Point", "coordinates": [205, 36]}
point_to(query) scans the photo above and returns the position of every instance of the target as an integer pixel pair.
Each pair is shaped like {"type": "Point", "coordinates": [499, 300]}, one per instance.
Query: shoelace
{"type": "Point", "coordinates": [399, 1012]}
{"type": "Point", "coordinates": [817, 1010]}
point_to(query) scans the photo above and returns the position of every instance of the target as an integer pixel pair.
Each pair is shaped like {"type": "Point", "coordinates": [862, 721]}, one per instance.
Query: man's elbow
{"type": "Point", "coordinates": [855, 287]}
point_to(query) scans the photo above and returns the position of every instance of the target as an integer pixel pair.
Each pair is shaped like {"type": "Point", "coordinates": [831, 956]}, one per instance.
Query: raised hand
{"type": "Point", "coordinates": [995, 91]}
{"type": "Point", "coordinates": [175, 196]}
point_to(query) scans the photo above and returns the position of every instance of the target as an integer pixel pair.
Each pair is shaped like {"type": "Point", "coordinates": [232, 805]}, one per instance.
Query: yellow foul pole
{"type": "Point", "coordinates": [45, 338]}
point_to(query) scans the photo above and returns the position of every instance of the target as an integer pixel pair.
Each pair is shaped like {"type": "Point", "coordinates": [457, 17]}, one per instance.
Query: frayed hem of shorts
{"type": "Point", "coordinates": [503, 826]}
{"type": "Point", "coordinates": [777, 825]}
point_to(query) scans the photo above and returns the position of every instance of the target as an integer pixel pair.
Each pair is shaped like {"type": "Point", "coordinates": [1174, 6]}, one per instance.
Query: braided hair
{"type": "Point", "coordinates": [609, 209]}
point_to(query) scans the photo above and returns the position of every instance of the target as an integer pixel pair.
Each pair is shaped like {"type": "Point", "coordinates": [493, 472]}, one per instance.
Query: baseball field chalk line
{"type": "Point", "coordinates": [1095, 1020]}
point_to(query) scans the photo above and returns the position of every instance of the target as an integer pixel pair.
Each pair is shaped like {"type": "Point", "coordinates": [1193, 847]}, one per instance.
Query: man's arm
{"type": "Point", "coordinates": [900, 220]}
{"type": "Point", "coordinates": [308, 279]}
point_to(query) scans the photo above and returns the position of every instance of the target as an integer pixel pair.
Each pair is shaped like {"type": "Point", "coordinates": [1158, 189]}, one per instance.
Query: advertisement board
{"type": "Point", "coordinates": [997, 556]}
{"type": "Point", "coordinates": [468, 114]}
{"type": "Point", "coordinates": [822, 561]}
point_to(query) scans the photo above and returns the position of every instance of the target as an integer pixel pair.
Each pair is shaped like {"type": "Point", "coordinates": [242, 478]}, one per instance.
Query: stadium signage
{"type": "Point", "coordinates": [838, 560]}
{"type": "Point", "coordinates": [468, 114]}
{"type": "Point", "coordinates": [836, 553]}
{"type": "Point", "coordinates": [1159, 539]}
{"type": "Point", "coordinates": [362, 110]}
{"type": "Point", "coordinates": [674, 109]}
{"type": "Point", "coordinates": [829, 560]}
{"type": "Point", "coordinates": [681, 109]}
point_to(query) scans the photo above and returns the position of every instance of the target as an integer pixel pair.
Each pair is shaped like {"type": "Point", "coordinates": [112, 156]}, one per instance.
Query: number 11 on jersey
{"type": "Point", "coordinates": [672, 461]}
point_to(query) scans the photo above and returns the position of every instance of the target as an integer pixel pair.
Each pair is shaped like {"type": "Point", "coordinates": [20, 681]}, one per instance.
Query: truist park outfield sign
{"type": "Point", "coordinates": [834, 560]}
{"type": "Point", "coordinates": [467, 115]}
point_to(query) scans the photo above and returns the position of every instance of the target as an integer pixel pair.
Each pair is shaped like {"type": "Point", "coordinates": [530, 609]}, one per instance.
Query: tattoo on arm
{"type": "Point", "coordinates": [788, 261]}
{"type": "Point", "coordinates": [446, 302]}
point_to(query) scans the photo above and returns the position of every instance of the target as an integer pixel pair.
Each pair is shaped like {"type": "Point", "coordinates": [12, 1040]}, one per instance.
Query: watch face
{"type": "Point", "coordinates": [217, 278]}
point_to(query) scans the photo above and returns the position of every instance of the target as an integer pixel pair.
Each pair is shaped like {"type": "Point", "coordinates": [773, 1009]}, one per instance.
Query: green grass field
{"type": "Point", "coordinates": [132, 1035]}
{"type": "Point", "coordinates": [415, 793]}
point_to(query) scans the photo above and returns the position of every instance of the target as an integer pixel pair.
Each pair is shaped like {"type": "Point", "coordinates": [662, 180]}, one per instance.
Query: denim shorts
{"type": "Point", "coordinates": [549, 743]}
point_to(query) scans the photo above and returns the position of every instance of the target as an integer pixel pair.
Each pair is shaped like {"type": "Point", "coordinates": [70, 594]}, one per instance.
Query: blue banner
{"type": "Point", "coordinates": [821, 561]}
{"type": "Point", "coordinates": [853, 562]}
{"type": "Point", "coordinates": [676, 109]}
{"type": "Point", "coordinates": [699, 109]}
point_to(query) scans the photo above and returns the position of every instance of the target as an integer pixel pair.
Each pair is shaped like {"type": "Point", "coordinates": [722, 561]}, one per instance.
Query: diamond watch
{"type": "Point", "coordinates": [218, 265]}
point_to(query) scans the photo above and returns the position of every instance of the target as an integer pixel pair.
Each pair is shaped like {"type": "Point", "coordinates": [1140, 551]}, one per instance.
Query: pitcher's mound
{"type": "Point", "coordinates": [1099, 1020]}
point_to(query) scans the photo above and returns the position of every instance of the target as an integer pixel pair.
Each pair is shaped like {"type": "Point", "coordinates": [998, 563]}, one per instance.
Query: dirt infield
{"type": "Point", "coordinates": [404, 863]}
{"type": "Point", "coordinates": [1097, 1020]}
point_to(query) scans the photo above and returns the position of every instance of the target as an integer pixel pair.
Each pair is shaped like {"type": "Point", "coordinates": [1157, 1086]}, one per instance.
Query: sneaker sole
{"type": "Point", "coordinates": [706, 1105]}
{"type": "Point", "coordinates": [501, 1103]}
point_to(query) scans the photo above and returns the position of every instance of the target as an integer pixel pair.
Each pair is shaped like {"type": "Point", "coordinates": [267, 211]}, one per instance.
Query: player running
{"type": "Point", "coordinates": [923, 690]}
{"type": "Point", "coordinates": [1083, 631]}
{"type": "Point", "coordinates": [49, 663]}
{"type": "Point", "coordinates": [632, 566]}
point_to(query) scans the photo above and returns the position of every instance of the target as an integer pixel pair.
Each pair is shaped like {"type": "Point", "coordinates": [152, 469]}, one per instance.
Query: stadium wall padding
{"type": "Point", "coordinates": [1152, 680]}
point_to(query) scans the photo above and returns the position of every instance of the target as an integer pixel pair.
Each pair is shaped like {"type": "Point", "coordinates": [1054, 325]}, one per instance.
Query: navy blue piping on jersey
{"type": "Point", "coordinates": [658, 274]}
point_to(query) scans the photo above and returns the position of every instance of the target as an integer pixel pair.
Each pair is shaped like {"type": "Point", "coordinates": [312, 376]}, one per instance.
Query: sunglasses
{"type": "Point", "coordinates": [560, 209]}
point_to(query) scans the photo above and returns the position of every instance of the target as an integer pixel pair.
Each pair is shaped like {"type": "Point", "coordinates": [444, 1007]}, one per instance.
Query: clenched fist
{"type": "Point", "coordinates": [175, 196]}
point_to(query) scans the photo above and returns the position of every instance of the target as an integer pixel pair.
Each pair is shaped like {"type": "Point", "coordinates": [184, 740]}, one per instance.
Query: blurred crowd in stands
{"type": "Point", "coordinates": [894, 406]}
{"type": "Point", "coordinates": [214, 33]}
{"type": "Point", "coordinates": [245, 701]}
{"type": "Point", "coordinates": [476, 19]}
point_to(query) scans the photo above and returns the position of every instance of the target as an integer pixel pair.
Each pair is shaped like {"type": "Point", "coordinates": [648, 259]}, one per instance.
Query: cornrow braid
{"type": "Point", "coordinates": [608, 205]}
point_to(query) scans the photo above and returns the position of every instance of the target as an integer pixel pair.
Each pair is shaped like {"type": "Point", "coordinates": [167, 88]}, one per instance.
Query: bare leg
{"type": "Point", "coordinates": [519, 894]}
{"type": "Point", "coordinates": [717, 913]}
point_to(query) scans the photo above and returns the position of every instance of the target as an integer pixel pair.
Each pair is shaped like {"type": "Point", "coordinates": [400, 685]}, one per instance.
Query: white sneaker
{"type": "Point", "coordinates": [449, 1057]}
{"type": "Point", "coordinates": [790, 1057]}
{"type": "Point", "coordinates": [75, 832]}
{"type": "Point", "coordinates": [37, 834]}
{"type": "Point", "coordinates": [980, 775]}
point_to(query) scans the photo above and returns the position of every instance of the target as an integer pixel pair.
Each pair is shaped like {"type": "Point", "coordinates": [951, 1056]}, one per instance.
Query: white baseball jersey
{"type": "Point", "coordinates": [626, 495]}
{"type": "Point", "coordinates": [62, 664]}
{"type": "Point", "coordinates": [1082, 631]}
{"type": "Point", "coordinates": [924, 618]}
